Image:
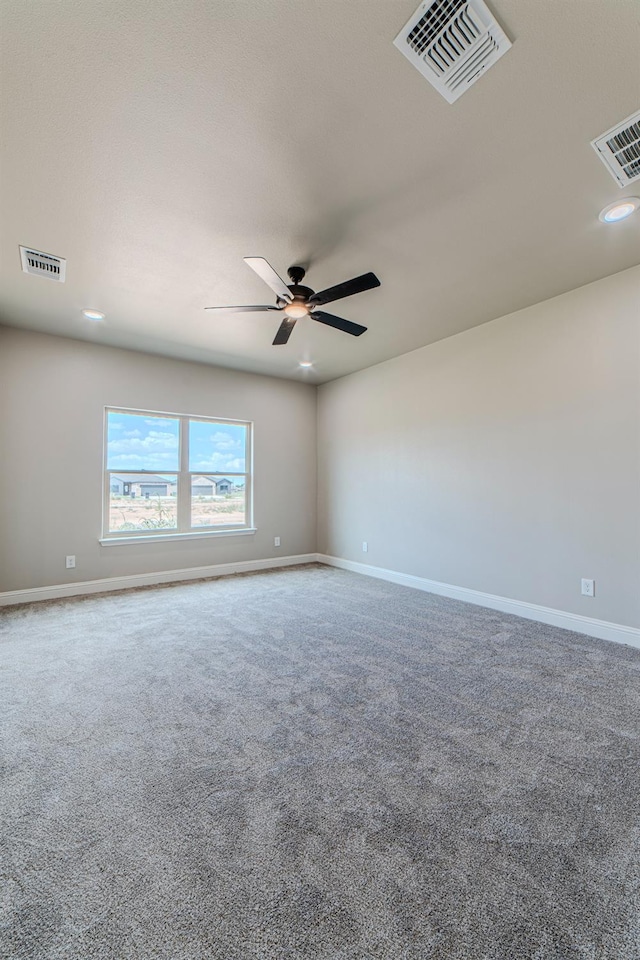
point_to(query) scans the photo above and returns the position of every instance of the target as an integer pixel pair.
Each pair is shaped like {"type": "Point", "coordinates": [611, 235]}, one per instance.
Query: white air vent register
{"type": "Point", "coordinates": [43, 264]}
{"type": "Point", "coordinates": [452, 43]}
{"type": "Point", "coordinates": [619, 150]}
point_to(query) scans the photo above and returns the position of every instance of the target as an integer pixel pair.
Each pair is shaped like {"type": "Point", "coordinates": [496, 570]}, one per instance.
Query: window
{"type": "Point", "coordinates": [169, 475]}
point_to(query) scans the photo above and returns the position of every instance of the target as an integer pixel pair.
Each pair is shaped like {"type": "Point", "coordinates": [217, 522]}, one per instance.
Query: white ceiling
{"type": "Point", "coordinates": [155, 143]}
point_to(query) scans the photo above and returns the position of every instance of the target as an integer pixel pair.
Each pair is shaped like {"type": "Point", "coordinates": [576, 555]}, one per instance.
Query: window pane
{"type": "Point", "coordinates": [142, 501]}
{"type": "Point", "coordinates": [138, 441]}
{"type": "Point", "coordinates": [217, 447]}
{"type": "Point", "coordinates": [217, 500]}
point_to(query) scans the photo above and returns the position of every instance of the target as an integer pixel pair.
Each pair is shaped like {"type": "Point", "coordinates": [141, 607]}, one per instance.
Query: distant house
{"type": "Point", "coordinates": [151, 485]}
{"type": "Point", "coordinates": [140, 485]}
{"type": "Point", "coordinates": [211, 486]}
{"type": "Point", "coordinates": [203, 487]}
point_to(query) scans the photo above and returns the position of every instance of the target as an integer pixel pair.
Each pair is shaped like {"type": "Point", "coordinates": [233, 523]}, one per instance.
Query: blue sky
{"type": "Point", "coordinates": [218, 447]}
{"type": "Point", "coordinates": [142, 442]}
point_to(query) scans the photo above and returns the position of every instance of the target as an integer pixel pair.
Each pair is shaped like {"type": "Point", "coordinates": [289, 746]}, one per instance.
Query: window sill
{"type": "Point", "coordinates": [157, 537]}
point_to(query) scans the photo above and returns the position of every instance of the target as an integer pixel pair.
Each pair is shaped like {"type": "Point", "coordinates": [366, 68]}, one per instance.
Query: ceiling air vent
{"type": "Point", "coordinates": [619, 150]}
{"type": "Point", "coordinates": [452, 43]}
{"type": "Point", "coordinates": [43, 264]}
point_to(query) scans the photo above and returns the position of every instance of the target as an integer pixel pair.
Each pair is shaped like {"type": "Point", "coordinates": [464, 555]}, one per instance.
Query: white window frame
{"type": "Point", "coordinates": [183, 530]}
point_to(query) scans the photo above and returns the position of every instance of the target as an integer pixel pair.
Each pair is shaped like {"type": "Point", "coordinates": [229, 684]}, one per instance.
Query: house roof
{"type": "Point", "coordinates": [202, 480]}
{"type": "Point", "coordinates": [208, 480]}
{"type": "Point", "coordinates": [140, 478]}
{"type": "Point", "coordinates": [206, 152]}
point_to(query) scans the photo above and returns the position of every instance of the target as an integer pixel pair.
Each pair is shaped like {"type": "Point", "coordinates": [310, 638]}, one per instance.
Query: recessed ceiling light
{"type": "Point", "coordinates": [93, 314]}
{"type": "Point", "coordinates": [305, 364]}
{"type": "Point", "coordinates": [619, 210]}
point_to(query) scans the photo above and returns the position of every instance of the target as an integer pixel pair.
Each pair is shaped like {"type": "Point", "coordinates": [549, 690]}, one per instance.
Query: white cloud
{"type": "Point", "coordinates": [134, 451]}
{"type": "Point", "coordinates": [224, 441]}
{"type": "Point", "coordinates": [127, 457]}
{"type": "Point", "coordinates": [219, 463]}
{"type": "Point", "coordinates": [154, 443]}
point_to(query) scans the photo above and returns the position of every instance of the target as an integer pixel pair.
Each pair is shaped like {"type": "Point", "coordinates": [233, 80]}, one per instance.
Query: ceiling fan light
{"type": "Point", "coordinates": [296, 310]}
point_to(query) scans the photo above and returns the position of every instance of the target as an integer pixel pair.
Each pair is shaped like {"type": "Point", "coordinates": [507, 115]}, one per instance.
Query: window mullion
{"type": "Point", "coordinates": [184, 480]}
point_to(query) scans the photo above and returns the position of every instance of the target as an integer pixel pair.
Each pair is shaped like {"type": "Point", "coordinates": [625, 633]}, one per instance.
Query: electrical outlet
{"type": "Point", "coordinates": [588, 588]}
{"type": "Point", "coordinates": [365, 546]}
{"type": "Point", "coordinates": [70, 563]}
{"type": "Point", "coordinates": [276, 541]}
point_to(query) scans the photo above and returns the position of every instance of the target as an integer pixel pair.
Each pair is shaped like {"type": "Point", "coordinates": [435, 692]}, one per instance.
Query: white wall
{"type": "Point", "coordinates": [505, 459]}
{"type": "Point", "coordinates": [52, 397]}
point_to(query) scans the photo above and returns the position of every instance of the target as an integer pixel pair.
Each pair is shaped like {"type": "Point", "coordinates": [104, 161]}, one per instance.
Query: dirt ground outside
{"type": "Point", "coordinates": [160, 513]}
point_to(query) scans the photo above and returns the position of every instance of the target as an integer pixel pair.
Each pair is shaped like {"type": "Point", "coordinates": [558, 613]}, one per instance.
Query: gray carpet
{"type": "Point", "coordinates": [313, 764]}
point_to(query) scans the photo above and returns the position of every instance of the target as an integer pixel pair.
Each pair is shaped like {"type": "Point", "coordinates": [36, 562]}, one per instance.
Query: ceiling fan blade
{"type": "Point", "coordinates": [266, 272]}
{"type": "Point", "coordinates": [345, 325]}
{"type": "Point", "coordinates": [242, 309]}
{"type": "Point", "coordinates": [366, 282]}
{"type": "Point", "coordinates": [284, 331]}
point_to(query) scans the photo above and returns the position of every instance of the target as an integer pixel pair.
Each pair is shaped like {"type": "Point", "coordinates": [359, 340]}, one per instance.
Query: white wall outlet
{"type": "Point", "coordinates": [276, 541]}
{"type": "Point", "coordinates": [588, 588]}
{"type": "Point", "coordinates": [70, 563]}
{"type": "Point", "coordinates": [365, 546]}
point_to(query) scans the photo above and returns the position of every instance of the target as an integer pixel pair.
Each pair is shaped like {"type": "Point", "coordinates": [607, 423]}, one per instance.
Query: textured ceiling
{"type": "Point", "coordinates": [154, 144]}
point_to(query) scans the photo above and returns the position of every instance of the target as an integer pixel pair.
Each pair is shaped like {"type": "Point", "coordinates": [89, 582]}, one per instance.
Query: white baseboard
{"type": "Point", "coordinates": [602, 629]}
{"type": "Point", "coordinates": [149, 579]}
{"type": "Point", "coordinates": [618, 633]}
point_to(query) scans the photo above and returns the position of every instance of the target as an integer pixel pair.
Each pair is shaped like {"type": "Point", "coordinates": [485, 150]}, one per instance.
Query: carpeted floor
{"type": "Point", "coordinates": [313, 764]}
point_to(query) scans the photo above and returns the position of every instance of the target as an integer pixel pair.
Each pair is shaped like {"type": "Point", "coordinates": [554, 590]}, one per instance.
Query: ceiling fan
{"type": "Point", "coordinates": [296, 301]}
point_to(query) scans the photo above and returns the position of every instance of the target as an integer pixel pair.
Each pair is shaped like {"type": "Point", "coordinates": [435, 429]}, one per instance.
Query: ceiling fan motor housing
{"type": "Point", "coordinates": [299, 294]}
